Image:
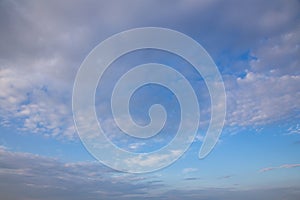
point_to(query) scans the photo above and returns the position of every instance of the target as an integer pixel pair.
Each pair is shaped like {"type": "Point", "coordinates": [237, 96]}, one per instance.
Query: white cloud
{"type": "Point", "coordinates": [189, 170]}
{"type": "Point", "coordinates": [136, 145]}
{"type": "Point", "coordinates": [44, 54]}
{"type": "Point", "coordinates": [294, 129]}
{"type": "Point", "coordinates": [278, 55]}
{"type": "Point", "coordinates": [285, 166]}
{"type": "Point", "coordinates": [33, 101]}
{"type": "Point", "coordinates": [140, 161]}
{"type": "Point", "coordinates": [269, 91]}
{"type": "Point", "coordinates": [258, 99]}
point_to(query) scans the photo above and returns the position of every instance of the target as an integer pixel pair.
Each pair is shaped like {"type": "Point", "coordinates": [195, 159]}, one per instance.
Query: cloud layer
{"type": "Point", "coordinates": [28, 176]}
{"type": "Point", "coordinates": [43, 44]}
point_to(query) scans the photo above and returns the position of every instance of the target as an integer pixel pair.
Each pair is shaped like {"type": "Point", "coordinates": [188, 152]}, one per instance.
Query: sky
{"type": "Point", "coordinates": [255, 46]}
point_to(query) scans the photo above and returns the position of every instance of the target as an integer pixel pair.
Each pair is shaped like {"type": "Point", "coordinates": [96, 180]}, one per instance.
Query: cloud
{"type": "Point", "coordinates": [278, 55]}
{"type": "Point", "coordinates": [141, 162]}
{"type": "Point", "coordinates": [189, 170]}
{"type": "Point", "coordinates": [29, 176]}
{"type": "Point", "coordinates": [136, 145]}
{"type": "Point", "coordinates": [296, 142]}
{"type": "Point", "coordinates": [2, 148]}
{"type": "Point", "coordinates": [226, 177]}
{"type": "Point", "coordinates": [233, 194]}
{"type": "Point", "coordinates": [267, 92]}
{"type": "Point", "coordinates": [285, 166]}
{"type": "Point", "coordinates": [253, 99]}
{"type": "Point", "coordinates": [29, 102]}
{"type": "Point", "coordinates": [294, 129]}
{"type": "Point", "coordinates": [192, 179]}
{"type": "Point", "coordinates": [43, 44]}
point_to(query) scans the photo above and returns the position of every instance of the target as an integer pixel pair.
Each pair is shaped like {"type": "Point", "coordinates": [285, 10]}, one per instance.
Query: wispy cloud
{"type": "Point", "coordinates": [189, 170]}
{"type": "Point", "coordinates": [226, 177]}
{"type": "Point", "coordinates": [192, 179]}
{"type": "Point", "coordinates": [294, 129]}
{"type": "Point", "coordinates": [285, 166]}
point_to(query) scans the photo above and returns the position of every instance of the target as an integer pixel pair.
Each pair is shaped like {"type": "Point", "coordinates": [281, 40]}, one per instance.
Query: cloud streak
{"type": "Point", "coordinates": [285, 166]}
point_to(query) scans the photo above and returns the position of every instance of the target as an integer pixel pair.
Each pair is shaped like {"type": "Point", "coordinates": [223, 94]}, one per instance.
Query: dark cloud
{"type": "Point", "coordinates": [191, 179]}
{"type": "Point", "coordinates": [71, 28]}
{"type": "Point", "coordinates": [297, 142]}
{"type": "Point", "coordinates": [226, 177]}
{"type": "Point", "coordinates": [28, 176]}
{"type": "Point", "coordinates": [232, 194]}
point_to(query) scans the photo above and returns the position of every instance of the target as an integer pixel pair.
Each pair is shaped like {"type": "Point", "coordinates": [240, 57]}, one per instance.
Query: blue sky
{"type": "Point", "coordinates": [255, 45]}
